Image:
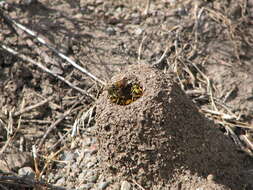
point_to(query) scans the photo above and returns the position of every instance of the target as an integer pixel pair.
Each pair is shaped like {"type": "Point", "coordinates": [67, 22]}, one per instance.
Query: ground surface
{"type": "Point", "coordinates": [161, 139]}
{"type": "Point", "coordinates": [207, 44]}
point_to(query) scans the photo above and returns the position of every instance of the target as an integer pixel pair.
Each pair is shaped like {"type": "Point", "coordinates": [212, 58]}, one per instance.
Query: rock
{"type": "Point", "coordinates": [138, 31]}
{"type": "Point", "coordinates": [81, 176]}
{"type": "Point", "coordinates": [103, 185]}
{"type": "Point", "coordinates": [125, 186]}
{"type": "Point", "coordinates": [68, 156]}
{"type": "Point", "coordinates": [86, 186]}
{"type": "Point", "coordinates": [92, 176]}
{"type": "Point", "coordinates": [110, 31]}
{"type": "Point", "coordinates": [26, 172]}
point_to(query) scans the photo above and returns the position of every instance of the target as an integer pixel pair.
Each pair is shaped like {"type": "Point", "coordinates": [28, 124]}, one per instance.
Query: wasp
{"type": "Point", "coordinates": [136, 91]}
{"type": "Point", "coordinates": [124, 92]}
{"type": "Point", "coordinates": [116, 91]}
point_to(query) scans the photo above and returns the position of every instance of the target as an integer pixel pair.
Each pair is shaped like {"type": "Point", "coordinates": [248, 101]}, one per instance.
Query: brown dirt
{"type": "Point", "coordinates": [106, 36]}
{"type": "Point", "coordinates": [161, 137]}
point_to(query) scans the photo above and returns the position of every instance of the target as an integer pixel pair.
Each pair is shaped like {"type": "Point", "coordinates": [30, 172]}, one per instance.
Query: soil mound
{"type": "Point", "coordinates": [160, 139]}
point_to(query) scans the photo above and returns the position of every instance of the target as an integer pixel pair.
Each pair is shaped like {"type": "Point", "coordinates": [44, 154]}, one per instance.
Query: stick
{"type": "Point", "coordinates": [26, 182]}
{"type": "Point", "coordinates": [53, 125]}
{"type": "Point", "coordinates": [27, 109]}
{"type": "Point", "coordinates": [40, 65]}
{"type": "Point", "coordinates": [41, 40]}
{"type": "Point", "coordinates": [147, 7]}
{"type": "Point", "coordinates": [140, 48]}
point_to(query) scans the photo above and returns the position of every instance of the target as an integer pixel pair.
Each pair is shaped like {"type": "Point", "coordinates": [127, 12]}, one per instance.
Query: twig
{"type": "Point", "coordinates": [29, 108]}
{"type": "Point", "coordinates": [197, 19]}
{"type": "Point", "coordinates": [41, 40]}
{"type": "Point", "coordinates": [36, 121]}
{"type": "Point", "coordinates": [162, 57]}
{"type": "Point", "coordinates": [234, 137]}
{"type": "Point", "coordinates": [53, 125]}
{"type": "Point", "coordinates": [59, 141]}
{"type": "Point", "coordinates": [10, 138]}
{"type": "Point", "coordinates": [40, 65]}
{"type": "Point", "coordinates": [35, 160]}
{"type": "Point", "coordinates": [147, 7]}
{"type": "Point", "coordinates": [27, 182]}
{"type": "Point", "coordinates": [219, 17]}
{"type": "Point", "coordinates": [52, 104]}
{"type": "Point", "coordinates": [208, 88]}
{"type": "Point", "coordinates": [140, 48]}
{"type": "Point", "coordinates": [5, 145]}
{"type": "Point", "coordinates": [223, 115]}
{"type": "Point", "coordinates": [49, 160]}
{"type": "Point", "coordinates": [245, 139]}
{"type": "Point", "coordinates": [142, 188]}
{"type": "Point", "coordinates": [234, 89]}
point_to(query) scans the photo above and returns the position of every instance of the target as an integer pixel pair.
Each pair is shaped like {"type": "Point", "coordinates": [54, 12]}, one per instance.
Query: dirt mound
{"type": "Point", "coordinates": [161, 138]}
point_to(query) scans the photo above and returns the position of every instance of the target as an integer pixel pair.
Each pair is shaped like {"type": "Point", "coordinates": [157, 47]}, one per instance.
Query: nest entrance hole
{"type": "Point", "coordinates": [125, 91]}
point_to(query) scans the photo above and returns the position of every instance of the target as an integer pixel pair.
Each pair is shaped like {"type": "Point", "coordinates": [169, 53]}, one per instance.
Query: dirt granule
{"type": "Point", "coordinates": [161, 140]}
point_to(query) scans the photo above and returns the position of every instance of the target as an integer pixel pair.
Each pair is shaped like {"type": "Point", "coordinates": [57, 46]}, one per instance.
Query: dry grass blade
{"type": "Point", "coordinates": [148, 2]}
{"type": "Point", "coordinates": [53, 125]}
{"type": "Point", "coordinates": [140, 48]}
{"type": "Point", "coordinates": [219, 17]}
{"type": "Point", "coordinates": [234, 137]}
{"type": "Point", "coordinates": [85, 115]}
{"type": "Point", "coordinates": [11, 138]}
{"type": "Point", "coordinates": [162, 57]}
{"type": "Point", "coordinates": [138, 185]}
{"type": "Point", "coordinates": [27, 109]}
{"type": "Point", "coordinates": [49, 160]}
{"type": "Point", "coordinates": [247, 141]}
{"type": "Point", "coordinates": [61, 140]}
{"type": "Point", "coordinates": [192, 78]}
{"type": "Point", "coordinates": [222, 115]}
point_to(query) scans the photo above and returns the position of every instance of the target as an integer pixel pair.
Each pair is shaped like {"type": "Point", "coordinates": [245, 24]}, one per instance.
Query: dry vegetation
{"type": "Point", "coordinates": [53, 66]}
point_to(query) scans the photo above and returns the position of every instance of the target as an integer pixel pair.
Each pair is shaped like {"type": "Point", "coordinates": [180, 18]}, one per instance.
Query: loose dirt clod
{"type": "Point", "coordinates": [161, 140]}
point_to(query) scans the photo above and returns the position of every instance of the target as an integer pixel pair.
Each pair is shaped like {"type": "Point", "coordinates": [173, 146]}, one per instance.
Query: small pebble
{"type": "Point", "coordinates": [87, 141]}
{"type": "Point", "coordinates": [92, 176]}
{"type": "Point", "coordinates": [91, 150]}
{"type": "Point", "coordinates": [86, 186]}
{"type": "Point", "coordinates": [81, 176]}
{"type": "Point", "coordinates": [103, 185]}
{"type": "Point", "coordinates": [138, 31]}
{"type": "Point", "coordinates": [68, 156]}
{"type": "Point", "coordinates": [110, 31]}
{"type": "Point", "coordinates": [210, 177]}
{"type": "Point", "coordinates": [26, 172]}
{"type": "Point", "coordinates": [125, 186]}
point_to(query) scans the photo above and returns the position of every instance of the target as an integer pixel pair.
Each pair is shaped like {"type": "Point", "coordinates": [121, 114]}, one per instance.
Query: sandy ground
{"type": "Point", "coordinates": [206, 44]}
